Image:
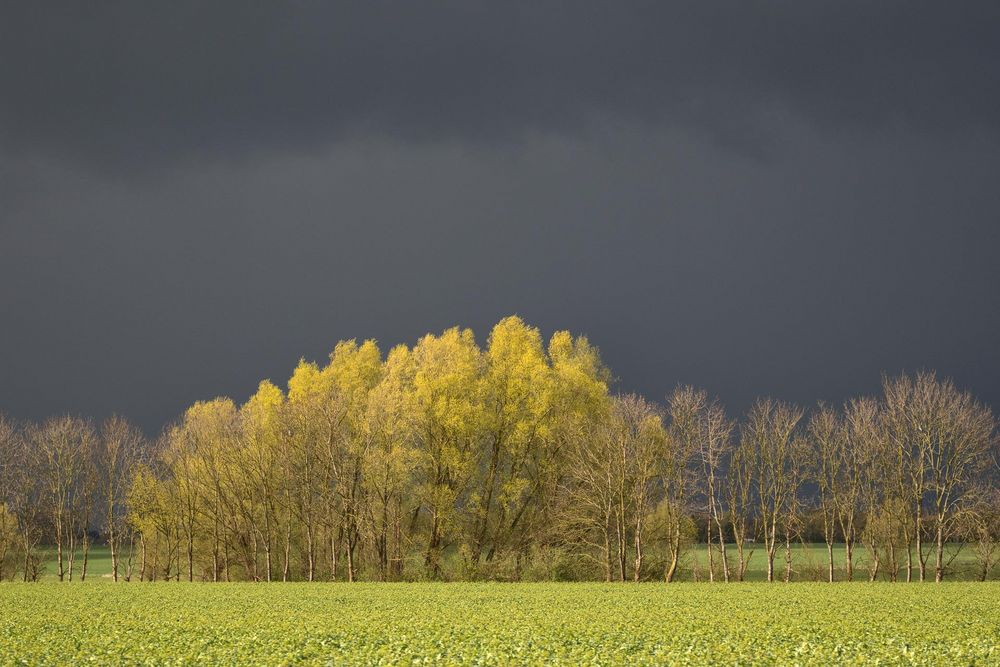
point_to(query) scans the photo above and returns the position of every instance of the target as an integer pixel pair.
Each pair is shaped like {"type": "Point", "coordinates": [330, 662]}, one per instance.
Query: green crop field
{"type": "Point", "coordinates": [237, 624]}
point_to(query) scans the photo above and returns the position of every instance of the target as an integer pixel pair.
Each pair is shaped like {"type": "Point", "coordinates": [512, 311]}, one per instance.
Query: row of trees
{"type": "Point", "coordinates": [449, 461]}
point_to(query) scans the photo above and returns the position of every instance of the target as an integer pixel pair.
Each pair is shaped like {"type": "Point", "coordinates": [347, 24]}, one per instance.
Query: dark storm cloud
{"type": "Point", "coordinates": [140, 83]}
{"type": "Point", "coordinates": [781, 198]}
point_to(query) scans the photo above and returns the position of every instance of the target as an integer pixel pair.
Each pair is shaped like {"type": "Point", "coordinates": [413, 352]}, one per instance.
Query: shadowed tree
{"type": "Point", "coordinates": [120, 448]}
{"type": "Point", "coordinates": [770, 433]}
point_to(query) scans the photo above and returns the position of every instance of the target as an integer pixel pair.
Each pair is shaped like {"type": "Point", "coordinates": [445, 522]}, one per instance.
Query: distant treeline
{"type": "Point", "coordinates": [447, 461]}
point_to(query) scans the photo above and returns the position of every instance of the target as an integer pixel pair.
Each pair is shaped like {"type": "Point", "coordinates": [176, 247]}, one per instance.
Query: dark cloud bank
{"type": "Point", "coordinates": [782, 198]}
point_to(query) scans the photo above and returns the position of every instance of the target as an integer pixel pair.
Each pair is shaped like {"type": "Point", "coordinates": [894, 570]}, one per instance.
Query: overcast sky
{"type": "Point", "coordinates": [781, 198]}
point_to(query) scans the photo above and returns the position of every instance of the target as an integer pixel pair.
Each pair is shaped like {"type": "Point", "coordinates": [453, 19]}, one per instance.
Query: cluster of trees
{"type": "Point", "coordinates": [514, 461]}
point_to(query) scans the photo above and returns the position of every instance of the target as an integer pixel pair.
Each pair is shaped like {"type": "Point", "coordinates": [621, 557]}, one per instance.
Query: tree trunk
{"type": "Point", "coordinates": [638, 547]}
{"type": "Point", "coordinates": [190, 555]}
{"type": "Point", "coordinates": [921, 561]}
{"type": "Point", "coordinates": [350, 557]}
{"type": "Point", "coordinates": [876, 562]}
{"type": "Point", "coordinates": [771, 543]}
{"type": "Point", "coordinates": [711, 554]}
{"type": "Point", "coordinates": [311, 553]}
{"type": "Point", "coordinates": [72, 553]}
{"type": "Point", "coordinates": [607, 547]}
{"type": "Point", "coordinates": [86, 556]}
{"type": "Point", "coordinates": [788, 559]}
{"type": "Point", "coordinates": [722, 551]}
{"type": "Point", "coordinates": [939, 559]}
{"type": "Point", "coordinates": [27, 552]}
{"type": "Point", "coordinates": [675, 552]}
{"type": "Point", "coordinates": [114, 549]}
{"type": "Point", "coordinates": [130, 561]}
{"type": "Point", "coordinates": [59, 546]}
{"type": "Point", "coordinates": [287, 550]}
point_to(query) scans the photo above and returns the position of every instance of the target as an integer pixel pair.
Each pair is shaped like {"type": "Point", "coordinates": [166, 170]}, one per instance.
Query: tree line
{"type": "Point", "coordinates": [514, 461]}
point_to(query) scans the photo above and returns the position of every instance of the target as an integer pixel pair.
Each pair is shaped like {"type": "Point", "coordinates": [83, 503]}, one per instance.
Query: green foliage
{"type": "Point", "coordinates": [490, 624]}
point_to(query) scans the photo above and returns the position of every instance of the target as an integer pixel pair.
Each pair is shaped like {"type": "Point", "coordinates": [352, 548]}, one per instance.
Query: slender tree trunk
{"type": "Point", "coordinates": [711, 554]}
{"type": "Point", "coordinates": [622, 548]}
{"type": "Point", "coordinates": [607, 545]}
{"type": "Point", "coordinates": [287, 549]}
{"type": "Point", "coordinates": [190, 553]}
{"type": "Point", "coordinates": [350, 559]}
{"type": "Point", "coordinates": [267, 559]}
{"type": "Point", "coordinates": [788, 558]}
{"type": "Point", "coordinates": [86, 556]}
{"type": "Point", "coordinates": [226, 560]}
{"type": "Point", "coordinates": [638, 550]}
{"type": "Point", "coordinates": [739, 554]}
{"type": "Point", "coordinates": [397, 531]}
{"type": "Point", "coordinates": [59, 546]}
{"type": "Point", "coordinates": [311, 552]}
{"type": "Point", "coordinates": [921, 560]}
{"type": "Point", "coordinates": [26, 536]}
{"type": "Point", "coordinates": [877, 561]}
{"type": "Point", "coordinates": [675, 549]}
{"type": "Point", "coordinates": [939, 555]}
{"type": "Point", "coordinates": [71, 557]}
{"type": "Point", "coordinates": [130, 559]}
{"type": "Point", "coordinates": [771, 543]}
{"type": "Point", "coordinates": [112, 542]}
{"type": "Point", "coordinates": [722, 551]}
{"type": "Point", "coordinates": [215, 547]}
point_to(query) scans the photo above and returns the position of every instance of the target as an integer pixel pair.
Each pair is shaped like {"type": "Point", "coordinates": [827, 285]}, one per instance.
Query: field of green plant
{"type": "Point", "coordinates": [238, 624]}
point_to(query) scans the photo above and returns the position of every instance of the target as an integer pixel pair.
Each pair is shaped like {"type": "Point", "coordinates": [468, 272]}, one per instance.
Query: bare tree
{"type": "Point", "coordinates": [869, 455]}
{"type": "Point", "coordinates": [770, 429]}
{"type": "Point", "coordinates": [943, 437]}
{"type": "Point", "coordinates": [825, 433]}
{"type": "Point", "coordinates": [62, 443]}
{"type": "Point", "coordinates": [792, 509]}
{"type": "Point", "coordinates": [960, 434]}
{"type": "Point", "coordinates": [24, 495]}
{"type": "Point", "coordinates": [740, 498]}
{"type": "Point", "coordinates": [701, 426]}
{"type": "Point", "coordinates": [859, 449]}
{"type": "Point", "coordinates": [589, 490]}
{"type": "Point", "coordinates": [120, 447]}
{"type": "Point", "coordinates": [643, 443]}
{"type": "Point", "coordinates": [910, 445]}
{"type": "Point", "coordinates": [982, 529]}
{"type": "Point", "coordinates": [685, 406]}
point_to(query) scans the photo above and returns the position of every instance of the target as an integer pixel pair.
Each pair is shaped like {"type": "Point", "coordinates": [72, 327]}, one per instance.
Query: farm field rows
{"type": "Point", "coordinates": [237, 624]}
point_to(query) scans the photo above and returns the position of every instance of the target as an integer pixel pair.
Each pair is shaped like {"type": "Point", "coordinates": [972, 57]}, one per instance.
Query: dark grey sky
{"type": "Point", "coordinates": [780, 198]}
